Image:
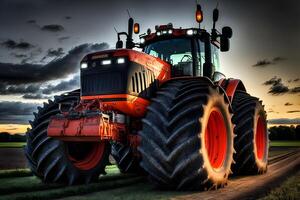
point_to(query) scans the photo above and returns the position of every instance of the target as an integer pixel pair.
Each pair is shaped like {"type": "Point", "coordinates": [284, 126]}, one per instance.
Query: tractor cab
{"type": "Point", "coordinates": [190, 52]}
{"type": "Point", "coordinates": [183, 49]}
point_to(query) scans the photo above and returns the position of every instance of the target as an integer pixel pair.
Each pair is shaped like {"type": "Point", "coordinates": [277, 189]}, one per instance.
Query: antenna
{"type": "Point", "coordinates": [128, 13]}
{"type": "Point", "coordinates": [116, 29]}
{"type": "Point", "coordinates": [214, 33]}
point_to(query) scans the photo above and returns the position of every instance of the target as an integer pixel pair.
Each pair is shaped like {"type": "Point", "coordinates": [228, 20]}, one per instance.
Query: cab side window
{"type": "Point", "coordinates": [200, 58]}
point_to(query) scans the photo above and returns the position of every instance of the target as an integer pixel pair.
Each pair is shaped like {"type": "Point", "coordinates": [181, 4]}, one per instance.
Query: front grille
{"type": "Point", "coordinates": [103, 83]}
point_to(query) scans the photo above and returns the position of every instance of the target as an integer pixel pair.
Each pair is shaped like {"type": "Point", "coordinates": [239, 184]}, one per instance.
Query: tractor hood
{"type": "Point", "coordinates": [122, 72]}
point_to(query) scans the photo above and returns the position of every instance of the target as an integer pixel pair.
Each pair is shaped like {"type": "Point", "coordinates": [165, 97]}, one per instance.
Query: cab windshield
{"type": "Point", "coordinates": [177, 52]}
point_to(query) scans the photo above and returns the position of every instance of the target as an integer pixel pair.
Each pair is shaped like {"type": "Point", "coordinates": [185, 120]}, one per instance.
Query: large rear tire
{"type": "Point", "coordinates": [65, 162]}
{"type": "Point", "coordinates": [187, 136]}
{"type": "Point", "coordinates": [251, 142]}
{"type": "Point", "coordinates": [125, 159]}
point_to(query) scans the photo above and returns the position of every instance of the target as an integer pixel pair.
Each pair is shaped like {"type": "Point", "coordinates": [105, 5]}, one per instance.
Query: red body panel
{"type": "Point", "coordinates": [124, 103]}
{"type": "Point", "coordinates": [231, 86]}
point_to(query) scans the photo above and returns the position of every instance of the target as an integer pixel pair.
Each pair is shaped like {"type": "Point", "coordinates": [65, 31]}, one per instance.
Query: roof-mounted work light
{"type": "Point", "coordinates": [199, 14]}
{"type": "Point", "coordinates": [136, 28]}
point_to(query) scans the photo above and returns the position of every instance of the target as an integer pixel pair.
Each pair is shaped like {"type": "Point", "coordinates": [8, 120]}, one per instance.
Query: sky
{"type": "Point", "coordinates": [42, 42]}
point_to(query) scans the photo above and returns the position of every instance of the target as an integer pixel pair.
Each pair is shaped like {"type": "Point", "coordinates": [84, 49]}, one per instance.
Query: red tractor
{"type": "Point", "coordinates": [164, 110]}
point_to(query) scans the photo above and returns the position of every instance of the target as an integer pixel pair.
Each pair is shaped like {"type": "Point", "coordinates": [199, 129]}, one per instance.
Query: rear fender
{"type": "Point", "coordinates": [231, 86]}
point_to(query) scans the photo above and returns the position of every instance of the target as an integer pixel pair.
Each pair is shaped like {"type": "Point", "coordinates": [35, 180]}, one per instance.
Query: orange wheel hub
{"type": "Point", "coordinates": [85, 156]}
{"type": "Point", "coordinates": [260, 139]}
{"type": "Point", "coordinates": [216, 139]}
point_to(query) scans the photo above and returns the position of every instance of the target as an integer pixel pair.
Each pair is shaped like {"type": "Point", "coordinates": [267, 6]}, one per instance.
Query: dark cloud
{"type": "Point", "coordinates": [16, 112]}
{"type": "Point", "coordinates": [31, 57]}
{"type": "Point", "coordinates": [266, 62]}
{"type": "Point", "coordinates": [284, 121]}
{"type": "Point", "coordinates": [18, 89]}
{"type": "Point", "coordinates": [295, 90]}
{"type": "Point", "coordinates": [278, 59]}
{"type": "Point", "coordinates": [35, 96]}
{"type": "Point", "coordinates": [59, 68]}
{"type": "Point", "coordinates": [68, 17]}
{"type": "Point", "coordinates": [63, 86]}
{"type": "Point", "coordinates": [17, 55]}
{"type": "Point", "coordinates": [61, 39]}
{"type": "Point", "coordinates": [296, 80]}
{"type": "Point", "coordinates": [53, 53]}
{"type": "Point", "coordinates": [262, 63]}
{"type": "Point", "coordinates": [278, 88]}
{"type": "Point", "coordinates": [273, 81]}
{"type": "Point", "coordinates": [53, 28]}
{"type": "Point", "coordinates": [293, 111]}
{"type": "Point", "coordinates": [33, 91]}
{"type": "Point", "coordinates": [31, 21]}
{"type": "Point", "coordinates": [288, 104]}
{"type": "Point", "coordinates": [11, 44]}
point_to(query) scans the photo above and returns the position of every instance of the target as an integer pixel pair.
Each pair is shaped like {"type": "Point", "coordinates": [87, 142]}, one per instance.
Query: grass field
{"type": "Point", "coordinates": [285, 143]}
{"type": "Point", "coordinates": [12, 144]}
{"type": "Point", "coordinates": [273, 144]}
{"type": "Point", "coordinates": [21, 185]}
{"type": "Point", "coordinates": [289, 189]}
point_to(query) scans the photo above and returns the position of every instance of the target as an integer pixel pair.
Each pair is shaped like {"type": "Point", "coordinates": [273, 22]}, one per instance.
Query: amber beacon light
{"type": "Point", "coordinates": [199, 14]}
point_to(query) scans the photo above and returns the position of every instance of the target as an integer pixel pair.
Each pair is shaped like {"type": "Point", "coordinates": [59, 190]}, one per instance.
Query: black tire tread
{"type": "Point", "coordinates": [46, 156]}
{"type": "Point", "coordinates": [169, 147]}
{"type": "Point", "coordinates": [244, 107]}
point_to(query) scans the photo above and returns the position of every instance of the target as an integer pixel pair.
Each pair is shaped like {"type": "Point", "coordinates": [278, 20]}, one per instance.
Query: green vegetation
{"type": "Point", "coordinates": [285, 143]}
{"type": "Point", "coordinates": [290, 189]}
{"type": "Point", "coordinates": [56, 191]}
{"type": "Point", "coordinates": [7, 137]}
{"type": "Point", "coordinates": [12, 144]}
{"type": "Point", "coordinates": [285, 133]}
{"type": "Point", "coordinates": [15, 173]}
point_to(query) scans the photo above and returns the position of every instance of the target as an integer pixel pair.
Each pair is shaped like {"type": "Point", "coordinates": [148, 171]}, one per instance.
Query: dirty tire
{"type": "Point", "coordinates": [251, 142]}
{"type": "Point", "coordinates": [175, 143]}
{"type": "Point", "coordinates": [50, 159]}
{"type": "Point", "coordinates": [125, 160]}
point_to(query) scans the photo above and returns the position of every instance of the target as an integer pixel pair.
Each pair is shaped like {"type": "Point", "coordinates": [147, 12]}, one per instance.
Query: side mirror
{"type": "Point", "coordinates": [227, 32]}
{"type": "Point", "coordinates": [119, 44]}
{"type": "Point", "coordinates": [215, 15]}
{"type": "Point", "coordinates": [224, 43]}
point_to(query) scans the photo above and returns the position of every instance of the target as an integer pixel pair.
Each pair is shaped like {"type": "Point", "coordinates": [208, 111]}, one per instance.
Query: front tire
{"type": "Point", "coordinates": [54, 160]}
{"type": "Point", "coordinates": [187, 136]}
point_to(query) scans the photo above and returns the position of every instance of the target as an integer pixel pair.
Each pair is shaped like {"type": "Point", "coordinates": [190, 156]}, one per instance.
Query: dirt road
{"type": "Point", "coordinates": [252, 187]}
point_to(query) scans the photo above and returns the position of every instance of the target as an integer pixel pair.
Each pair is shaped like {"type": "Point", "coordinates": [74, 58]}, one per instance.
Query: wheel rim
{"type": "Point", "coordinates": [216, 139]}
{"type": "Point", "coordinates": [260, 139]}
{"type": "Point", "coordinates": [85, 155]}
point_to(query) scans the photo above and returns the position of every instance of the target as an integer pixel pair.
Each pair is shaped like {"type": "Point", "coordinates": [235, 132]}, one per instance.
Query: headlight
{"type": "Point", "coordinates": [164, 32]}
{"type": "Point", "coordinates": [190, 32]}
{"type": "Point", "coordinates": [142, 40]}
{"type": "Point", "coordinates": [158, 33]}
{"type": "Point", "coordinates": [170, 31]}
{"type": "Point", "coordinates": [106, 62]}
{"type": "Point", "coordinates": [84, 65]}
{"type": "Point", "coordinates": [121, 60]}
